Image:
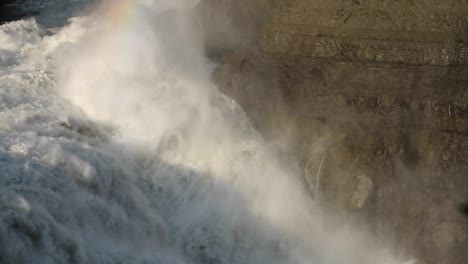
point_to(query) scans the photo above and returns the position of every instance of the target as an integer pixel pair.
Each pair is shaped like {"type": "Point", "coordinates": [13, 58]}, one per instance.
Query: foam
{"type": "Point", "coordinates": [116, 147]}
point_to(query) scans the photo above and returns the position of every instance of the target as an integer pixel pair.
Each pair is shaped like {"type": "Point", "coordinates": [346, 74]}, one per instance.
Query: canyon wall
{"type": "Point", "coordinates": [371, 98]}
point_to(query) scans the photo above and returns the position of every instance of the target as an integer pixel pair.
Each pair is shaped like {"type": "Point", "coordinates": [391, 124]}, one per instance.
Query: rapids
{"type": "Point", "coordinates": [117, 147]}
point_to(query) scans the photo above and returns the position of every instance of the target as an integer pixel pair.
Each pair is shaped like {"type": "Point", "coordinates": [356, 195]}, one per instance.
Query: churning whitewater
{"type": "Point", "coordinates": [117, 147]}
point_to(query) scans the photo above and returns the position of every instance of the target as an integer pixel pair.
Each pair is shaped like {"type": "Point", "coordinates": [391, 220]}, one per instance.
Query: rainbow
{"type": "Point", "coordinates": [118, 17]}
{"type": "Point", "coordinates": [122, 12]}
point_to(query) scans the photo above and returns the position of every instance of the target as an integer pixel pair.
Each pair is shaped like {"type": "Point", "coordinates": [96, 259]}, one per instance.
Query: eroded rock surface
{"type": "Point", "coordinates": [372, 98]}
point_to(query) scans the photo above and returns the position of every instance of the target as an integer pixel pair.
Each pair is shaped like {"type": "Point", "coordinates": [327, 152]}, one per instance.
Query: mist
{"type": "Point", "coordinates": [122, 149]}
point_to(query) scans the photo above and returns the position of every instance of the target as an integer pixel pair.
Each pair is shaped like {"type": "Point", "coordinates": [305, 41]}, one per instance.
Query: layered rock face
{"type": "Point", "coordinates": [371, 97]}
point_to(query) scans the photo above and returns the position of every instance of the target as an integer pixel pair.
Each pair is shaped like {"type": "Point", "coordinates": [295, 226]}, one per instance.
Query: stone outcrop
{"type": "Point", "coordinates": [371, 97]}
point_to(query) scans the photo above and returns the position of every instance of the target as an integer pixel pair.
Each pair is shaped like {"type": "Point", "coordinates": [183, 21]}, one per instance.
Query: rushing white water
{"type": "Point", "coordinates": [116, 147]}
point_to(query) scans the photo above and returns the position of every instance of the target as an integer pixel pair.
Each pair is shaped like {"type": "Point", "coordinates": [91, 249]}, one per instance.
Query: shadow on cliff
{"type": "Point", "coordinates": [464, 209]}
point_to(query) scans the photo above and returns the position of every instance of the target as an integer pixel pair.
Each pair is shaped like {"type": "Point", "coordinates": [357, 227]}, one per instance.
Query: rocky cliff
{"type": "Point", "coordinates": [371, 98]}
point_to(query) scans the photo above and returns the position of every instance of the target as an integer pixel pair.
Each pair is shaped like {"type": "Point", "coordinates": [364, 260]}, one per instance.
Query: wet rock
{"type": "Point", "coordinates": [392, 78]}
